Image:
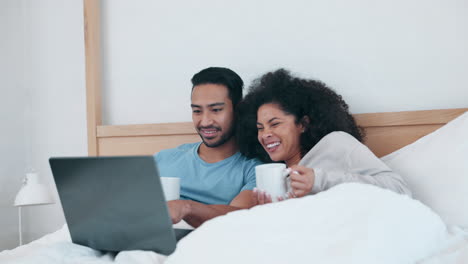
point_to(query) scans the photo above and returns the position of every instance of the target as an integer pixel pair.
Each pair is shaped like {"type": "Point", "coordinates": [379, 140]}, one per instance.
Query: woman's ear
{"type": "Point", "coordinates": [305, 122]}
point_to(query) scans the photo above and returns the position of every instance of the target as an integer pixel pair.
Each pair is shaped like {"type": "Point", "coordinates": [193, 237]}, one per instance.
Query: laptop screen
{"type": "Point", "coordinates": [114, 203]}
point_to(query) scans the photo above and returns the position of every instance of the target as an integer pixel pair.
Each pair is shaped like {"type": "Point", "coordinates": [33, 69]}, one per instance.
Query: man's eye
{"type": "Point", "coordinates": [259, 128]}
{"type": "Point", "coordinates": [275, 124]}
{"type": "Point", "coordinates": [217, 109]}
{"type": "Point", "coordinates": [196, 111]}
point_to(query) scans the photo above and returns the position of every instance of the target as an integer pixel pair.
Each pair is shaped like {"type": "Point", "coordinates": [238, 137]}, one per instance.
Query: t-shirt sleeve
{"type": "Point", "coordinates": [164, 155]}
{"type": "Point", "coordinates": [159, 157]}
{"type": "Point", "coordinates": [164, 160]}
{"type": "Point", "coordinates": [249, 175]}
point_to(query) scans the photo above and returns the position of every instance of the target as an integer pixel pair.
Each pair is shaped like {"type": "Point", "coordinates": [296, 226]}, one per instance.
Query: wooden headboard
{"type": "Point", "coordinates": [386, 132]}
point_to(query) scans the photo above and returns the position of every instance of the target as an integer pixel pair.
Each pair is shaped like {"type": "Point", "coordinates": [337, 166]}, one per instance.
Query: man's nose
{"type": "Point", "coordinates": [206, 120]}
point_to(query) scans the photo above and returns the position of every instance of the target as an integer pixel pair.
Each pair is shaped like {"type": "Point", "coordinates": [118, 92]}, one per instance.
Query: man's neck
{"type": "Point", "coordinates": [212, 155]}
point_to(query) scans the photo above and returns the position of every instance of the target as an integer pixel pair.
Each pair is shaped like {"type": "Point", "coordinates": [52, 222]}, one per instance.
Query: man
{"type": "Point", "coordinates": [215, 177]}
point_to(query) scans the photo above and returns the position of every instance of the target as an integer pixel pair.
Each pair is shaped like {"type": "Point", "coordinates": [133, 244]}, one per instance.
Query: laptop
{"type": "Point", "coordinates": [115, 203]}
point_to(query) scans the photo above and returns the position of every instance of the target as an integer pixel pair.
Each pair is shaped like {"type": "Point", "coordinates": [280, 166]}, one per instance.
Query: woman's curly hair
{"type": "Point", "coordinates": [326, 110]}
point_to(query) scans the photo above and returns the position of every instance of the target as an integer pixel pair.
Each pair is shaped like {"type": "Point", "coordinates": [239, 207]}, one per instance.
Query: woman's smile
{"type": "Point", "coordinates": [279, 133]}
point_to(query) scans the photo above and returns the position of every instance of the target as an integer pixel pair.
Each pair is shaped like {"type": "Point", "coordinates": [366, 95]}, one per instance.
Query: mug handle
{"type": "Point", "coordinates": [286, 173]}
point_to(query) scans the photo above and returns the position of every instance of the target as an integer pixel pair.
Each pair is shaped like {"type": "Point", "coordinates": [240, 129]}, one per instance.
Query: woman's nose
{"type": "Point", "coordinates": [266, 134]}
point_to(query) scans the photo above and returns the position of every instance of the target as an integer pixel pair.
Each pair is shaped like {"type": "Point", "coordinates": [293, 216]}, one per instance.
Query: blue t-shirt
{"type": "Point", "coordinates": [208, 183]}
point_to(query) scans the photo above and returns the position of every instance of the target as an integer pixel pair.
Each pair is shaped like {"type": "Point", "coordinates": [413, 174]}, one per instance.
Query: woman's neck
{"type": "Point", "coordinates": [294, 160]}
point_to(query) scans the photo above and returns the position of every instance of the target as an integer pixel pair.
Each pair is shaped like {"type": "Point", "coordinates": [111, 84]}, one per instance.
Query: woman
{"type": "Point", "coordinates": [306, 125]}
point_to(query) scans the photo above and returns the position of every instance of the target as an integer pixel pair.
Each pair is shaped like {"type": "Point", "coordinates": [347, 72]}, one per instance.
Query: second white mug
{"type": "Point", "coordinates": [171, 188]}
{"type": "Point", "coordinates": [271, 178]}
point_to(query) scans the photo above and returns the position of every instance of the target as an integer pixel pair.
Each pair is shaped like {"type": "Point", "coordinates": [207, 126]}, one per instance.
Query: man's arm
{"type": "Point", "coordinates": [195, 213]}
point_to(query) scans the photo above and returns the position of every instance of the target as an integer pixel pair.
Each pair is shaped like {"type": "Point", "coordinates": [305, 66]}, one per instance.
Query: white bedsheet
{"type": "Point", "coordinates": [350, 223]}
{"type": "Point", "coordinates": [453, 251]}
{"type": "Point", "coordinates": [56, 248]}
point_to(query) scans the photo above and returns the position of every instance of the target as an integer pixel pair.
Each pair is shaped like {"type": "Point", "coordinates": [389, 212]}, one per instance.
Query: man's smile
{"type": "Point", "coordinates": [209, 132]}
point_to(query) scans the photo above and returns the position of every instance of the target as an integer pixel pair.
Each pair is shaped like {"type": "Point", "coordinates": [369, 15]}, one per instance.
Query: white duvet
{"type": "Point", "coordinates": [350, 223]}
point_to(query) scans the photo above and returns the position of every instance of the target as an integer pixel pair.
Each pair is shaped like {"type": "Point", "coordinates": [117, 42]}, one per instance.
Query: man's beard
{"type": "Point", "coordinates": [224, 137]}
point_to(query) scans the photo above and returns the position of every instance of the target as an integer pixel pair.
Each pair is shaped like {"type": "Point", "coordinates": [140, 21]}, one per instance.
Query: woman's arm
{"type": "Point", "coordinates": [362, 166]}
{"type": "Point", "coordinates": [340, 158]}
{"type": "Point", "coordinates": [325, 179]}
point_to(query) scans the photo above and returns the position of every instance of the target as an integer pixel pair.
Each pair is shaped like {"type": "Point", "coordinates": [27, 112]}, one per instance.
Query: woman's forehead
{"type": "Point", "coordinates": [270, 110]}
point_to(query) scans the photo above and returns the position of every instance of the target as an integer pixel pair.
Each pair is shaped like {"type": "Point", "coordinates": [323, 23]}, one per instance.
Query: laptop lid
{"type": "Point", "coordinates": [114, 203]}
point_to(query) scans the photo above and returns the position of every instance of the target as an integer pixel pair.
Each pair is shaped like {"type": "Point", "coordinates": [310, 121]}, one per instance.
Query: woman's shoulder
{"type": "Point", "coordinates": [340, 138]}
{"type": "Point", "coordinates": [337, 142]}
{"type": "Point", "coordinates": [335, 146]}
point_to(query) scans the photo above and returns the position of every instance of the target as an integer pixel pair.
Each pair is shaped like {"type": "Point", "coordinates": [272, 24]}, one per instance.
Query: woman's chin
{"type": "Point", "coordinates": [274, 158]}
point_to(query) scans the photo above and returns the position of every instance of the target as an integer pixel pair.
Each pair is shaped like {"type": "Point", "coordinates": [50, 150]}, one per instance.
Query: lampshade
{"type": "Point", "coordinates": [32, 192]}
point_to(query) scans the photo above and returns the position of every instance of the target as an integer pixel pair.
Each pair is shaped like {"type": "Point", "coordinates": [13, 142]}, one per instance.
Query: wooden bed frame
{"type": "Point", "coordinates": [386, 132]}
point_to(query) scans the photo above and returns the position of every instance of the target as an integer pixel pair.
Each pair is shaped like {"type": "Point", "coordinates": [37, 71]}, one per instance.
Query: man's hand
{"type": "Point", "coordinates": [195, 213]}
{"type": "Point", "coordinates": [178, 209]}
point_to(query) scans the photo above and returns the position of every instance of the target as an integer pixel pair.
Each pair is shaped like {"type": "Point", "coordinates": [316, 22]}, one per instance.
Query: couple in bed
{"type": "Point", "coordinates": [300, 122]}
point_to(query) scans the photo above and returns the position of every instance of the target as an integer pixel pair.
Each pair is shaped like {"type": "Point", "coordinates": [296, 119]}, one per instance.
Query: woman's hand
{"type": "Point", "coordinates": [302, 181]}
{"type": "Point", "coordinates": [260, 197]}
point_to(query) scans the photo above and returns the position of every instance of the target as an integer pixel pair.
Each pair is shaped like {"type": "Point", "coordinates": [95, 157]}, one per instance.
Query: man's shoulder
{"type": "Point", "coordinates": [249, 162]}
{"type": "Point", "coordinates": [177, 151]}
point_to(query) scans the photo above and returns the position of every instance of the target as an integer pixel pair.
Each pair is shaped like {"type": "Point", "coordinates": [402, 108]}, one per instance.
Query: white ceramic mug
{"type": "Point", "coordinates": [171, 188]}
{"type": "Point", "coordinates": [271, 178]}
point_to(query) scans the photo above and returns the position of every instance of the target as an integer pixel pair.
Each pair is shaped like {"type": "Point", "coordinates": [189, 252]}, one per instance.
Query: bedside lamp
{"type": "Point", "coordinates": [31, 193]}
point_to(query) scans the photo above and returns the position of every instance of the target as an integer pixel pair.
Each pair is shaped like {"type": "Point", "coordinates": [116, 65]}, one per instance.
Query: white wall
{"type": "Point", "coordinates": [43, 107]}
{"type": "Point", "coordinates": [56, 73]}
{"type": "Point", "coordinates": [381, 56]}
{"type": "Point", "coordinates": [12, 117]}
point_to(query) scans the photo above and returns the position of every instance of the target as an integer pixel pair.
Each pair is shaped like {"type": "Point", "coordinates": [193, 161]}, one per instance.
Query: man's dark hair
{"type": "Point", "coordinates": [325, 109]}
{"type": "Point", "coordinates": [222, 76]}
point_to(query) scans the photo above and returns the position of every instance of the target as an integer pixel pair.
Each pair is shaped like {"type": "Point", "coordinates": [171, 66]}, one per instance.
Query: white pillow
{"type": "Point", "coordinates": [436, 170]}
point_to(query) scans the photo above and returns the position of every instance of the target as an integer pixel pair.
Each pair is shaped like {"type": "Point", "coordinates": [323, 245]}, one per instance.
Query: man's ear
{"type": "Point", "coordinates": [305, 122]}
